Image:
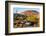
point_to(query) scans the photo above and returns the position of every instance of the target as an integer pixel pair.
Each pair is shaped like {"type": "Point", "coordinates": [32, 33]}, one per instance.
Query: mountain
{"type": "Point", "coordinates": [29, 12]}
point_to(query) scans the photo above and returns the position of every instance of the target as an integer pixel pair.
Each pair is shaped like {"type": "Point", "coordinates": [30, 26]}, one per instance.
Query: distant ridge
{"type": "Point", "coordinates": [28, 12]}
{"type": "Point", "coordinates": [32, 11]}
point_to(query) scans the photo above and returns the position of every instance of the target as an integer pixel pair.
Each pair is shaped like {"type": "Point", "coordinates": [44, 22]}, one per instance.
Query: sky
{"type": "Point", "coordinates": [19, 9]}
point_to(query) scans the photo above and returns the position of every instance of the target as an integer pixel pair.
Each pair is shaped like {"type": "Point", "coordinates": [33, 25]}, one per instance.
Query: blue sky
{"type": "Point", "coordinates": [19, 9]}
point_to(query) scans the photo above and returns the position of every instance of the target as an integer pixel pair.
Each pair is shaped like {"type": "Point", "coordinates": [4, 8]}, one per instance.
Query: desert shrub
{"type": "Point", "coordinates": [31, 18]}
